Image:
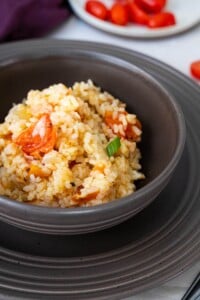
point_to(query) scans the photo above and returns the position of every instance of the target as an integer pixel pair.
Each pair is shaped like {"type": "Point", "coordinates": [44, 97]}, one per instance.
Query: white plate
{"type": "Point", "coordinates": [187, 13]}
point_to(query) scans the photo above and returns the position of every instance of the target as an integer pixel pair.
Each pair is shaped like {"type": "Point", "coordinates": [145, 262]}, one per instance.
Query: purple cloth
{"type": "Point", "coordinates": [21, 19]}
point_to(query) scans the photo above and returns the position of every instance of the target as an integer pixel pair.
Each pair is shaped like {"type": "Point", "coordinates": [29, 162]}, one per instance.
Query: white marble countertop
{"type": "Point", "coordinates": [178, 51]}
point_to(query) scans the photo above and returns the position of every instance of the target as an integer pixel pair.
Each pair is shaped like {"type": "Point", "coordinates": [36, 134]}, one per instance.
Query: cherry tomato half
{"type": "Point", "coordinates": [162, 19]}
{"type": "Point", "coordinates": [119, 14]}
{"type": "Point", "coordinates": [137, 15]}
{"type": "Point", "coordinates": [151, 6]}
{"type": "Point", "coordinates": [123, 1]}
{"type": "Point", "coordinates": [195, 69]}
{"type": "Point", "coordinates": [97, 9]}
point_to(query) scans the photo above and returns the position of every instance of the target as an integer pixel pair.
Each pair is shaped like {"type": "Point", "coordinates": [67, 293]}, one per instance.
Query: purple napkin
{"type": "Point", "coordinates": [21, 19]}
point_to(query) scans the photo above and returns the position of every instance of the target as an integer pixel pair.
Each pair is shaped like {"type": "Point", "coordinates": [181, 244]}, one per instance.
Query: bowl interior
{"type": "Point", "coordinates": [142, 95]}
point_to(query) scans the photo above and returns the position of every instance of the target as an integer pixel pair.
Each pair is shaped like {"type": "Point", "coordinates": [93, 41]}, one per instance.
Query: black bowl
{"type": "Point", "coordinates": [162, 142]}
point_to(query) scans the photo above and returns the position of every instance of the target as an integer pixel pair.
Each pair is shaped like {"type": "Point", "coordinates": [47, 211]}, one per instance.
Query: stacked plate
{"type": "Point", "coordinates": [154, 246]}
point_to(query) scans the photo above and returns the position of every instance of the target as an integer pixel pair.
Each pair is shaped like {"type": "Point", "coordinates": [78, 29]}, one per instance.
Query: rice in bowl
{"type": "Point", "coordinates": [69, 146]}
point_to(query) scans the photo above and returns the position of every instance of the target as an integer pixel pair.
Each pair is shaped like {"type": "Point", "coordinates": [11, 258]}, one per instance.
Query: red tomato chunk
{"type": "Point", "coordinates": [195, 69]}
{"type": "Point", "coordinates": [161, 20]}
{"type": "Point", "coordinates": [137, 15]}
{"type": "Point", "coordinates": [151, 6]}
{"type": "Point", "coordinates": [119, 14]}
{"type": "Point", "coordinates": [97, 9]}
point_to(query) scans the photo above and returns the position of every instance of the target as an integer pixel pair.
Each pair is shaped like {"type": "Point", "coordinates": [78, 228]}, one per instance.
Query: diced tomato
{"type": "Point", "coordinates": [97, 9]}
{"type": "Point", "coordinates": [111, 122]}
{"type": "Point", "coordinates": [137, 15]}
{"type": "Point", "coordinates": [162, 19]}
{"type": "Point", "coordinates": [129, 132]}
{"type": "Point", "coordinates": [39, 138]}
{"type": "Point", "coordinates": [195, 69]}
{"type": "Point", "coordinates": [119, 14]}
{"type": "Point", "coordinates": [151, 6]}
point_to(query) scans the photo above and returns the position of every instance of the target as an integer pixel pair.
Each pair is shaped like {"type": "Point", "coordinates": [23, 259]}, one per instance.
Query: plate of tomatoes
{"type": "Point", "coordinates": [139, 18]}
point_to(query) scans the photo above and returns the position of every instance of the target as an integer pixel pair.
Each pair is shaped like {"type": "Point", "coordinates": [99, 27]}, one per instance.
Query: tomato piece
{"type": "Point", "coordinates": [162, 19]}
{"type": "Point", "coordinates": [129, 131]}
{"type": "Point", "coordinates": [111, 122]}
{"type": "Point", "coordinates": [49, 145]}
{"type": "Point", "coordinates": [125, 3]}
{"type": "Point", "coordinates": [97, 9]}
{"type": "Point", "coordinates": [39, 138]}
{"type": "Point", "coordinates": [131, 134]}
{"type": "Point", "coordinates": [195, 69]}
{"type": "Point", "coordinates": [151, 6]}
{"type": "Point", "coordinates": [137, 15]}
{"type": "Point", "coordinates": [119, 14]}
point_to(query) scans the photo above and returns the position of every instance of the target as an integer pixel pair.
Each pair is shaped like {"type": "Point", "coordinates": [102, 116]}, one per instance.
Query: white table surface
{"type": "Point", "coordinates": [178, 51]}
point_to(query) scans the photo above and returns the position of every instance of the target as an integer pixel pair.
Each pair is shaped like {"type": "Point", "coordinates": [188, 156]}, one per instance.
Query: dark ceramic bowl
{"type": "Point", "coordinates": [161, 147]}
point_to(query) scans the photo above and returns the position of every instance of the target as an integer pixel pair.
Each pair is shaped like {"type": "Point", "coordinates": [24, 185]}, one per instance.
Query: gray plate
{"type": "Point", "coordinates": [157, 244]}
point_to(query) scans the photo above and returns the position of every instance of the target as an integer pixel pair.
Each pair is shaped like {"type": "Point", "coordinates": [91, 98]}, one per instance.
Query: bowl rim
{"type": "Point", "coordinates": [120, 203]}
